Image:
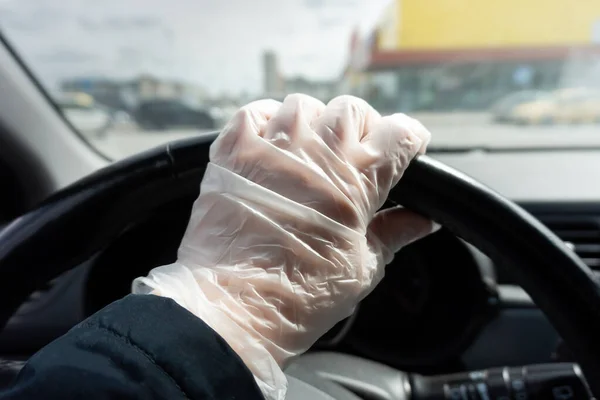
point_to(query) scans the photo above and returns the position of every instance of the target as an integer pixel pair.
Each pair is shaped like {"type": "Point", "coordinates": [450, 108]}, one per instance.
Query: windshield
{"type": "Point", "coordinates": [132, 74]}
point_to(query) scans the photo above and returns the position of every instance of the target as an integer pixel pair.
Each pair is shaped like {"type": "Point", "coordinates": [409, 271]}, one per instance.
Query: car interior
{"type": "Point", "coordinates": [502, 303]}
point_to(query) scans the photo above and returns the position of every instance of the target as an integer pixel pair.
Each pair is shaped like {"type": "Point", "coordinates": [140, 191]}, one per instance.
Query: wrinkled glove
{"type": "Point", "coordinates": [285, 238]}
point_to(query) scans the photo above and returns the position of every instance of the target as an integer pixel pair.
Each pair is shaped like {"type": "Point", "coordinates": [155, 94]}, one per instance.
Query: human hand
{"type": "Point", "coordinates": [285, 238]}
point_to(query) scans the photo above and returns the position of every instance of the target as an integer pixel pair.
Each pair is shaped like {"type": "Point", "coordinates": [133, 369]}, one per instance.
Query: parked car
{"type": "Point", "coordinates": [578, 109]}
{"type": "Point", "coordinates": [502, 110]}
{"type": "Point", "coordinates": [571, 105]}
{"type": "Point", "coordinates": [163, 114]}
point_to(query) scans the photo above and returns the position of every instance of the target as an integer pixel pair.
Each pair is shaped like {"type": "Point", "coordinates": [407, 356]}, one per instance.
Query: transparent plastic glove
{"type": "Point", "coordinates": [284, 239]}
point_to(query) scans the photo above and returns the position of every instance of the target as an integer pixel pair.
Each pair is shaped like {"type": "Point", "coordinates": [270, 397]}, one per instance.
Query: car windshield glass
{"type": "Point", "coordinates": [131, 74]}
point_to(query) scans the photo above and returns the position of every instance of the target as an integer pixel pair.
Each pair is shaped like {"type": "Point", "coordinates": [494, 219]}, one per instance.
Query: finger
{"type": "Point", "coordinates": [265, 108]}
{"type": "Point", "coordinates": [387, 150]}
{"type": "Point", "coordinates": [393, 228]}
{"type": "Point", "coordinates": [248, 122]}
{"type": "Point", "coordinates": [397, 133]}
{"type": "Point", "coordinates": [293, 119]}
{"type": "Point", "coordinates": [421, 132]}
{"type": "Point", "coordinates": [345, 121]}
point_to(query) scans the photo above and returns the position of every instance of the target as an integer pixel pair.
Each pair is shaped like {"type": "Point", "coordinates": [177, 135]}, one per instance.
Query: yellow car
{"type": "Point", "coordinates": [533, 113]}
{"type": "Point", "coordinates": [80, 99]}
{"type": "Point", "coordinates": [562, 106]}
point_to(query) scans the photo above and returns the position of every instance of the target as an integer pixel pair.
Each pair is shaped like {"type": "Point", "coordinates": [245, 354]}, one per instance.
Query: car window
{"type": "Point", "coordinates": [464, 68]}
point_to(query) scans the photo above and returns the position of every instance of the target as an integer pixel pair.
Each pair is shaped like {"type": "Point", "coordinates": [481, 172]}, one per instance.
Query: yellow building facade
{"type": "Point", "coordinates": [474, 24]}
{"type": "Point", "coordinates": [467, 54]}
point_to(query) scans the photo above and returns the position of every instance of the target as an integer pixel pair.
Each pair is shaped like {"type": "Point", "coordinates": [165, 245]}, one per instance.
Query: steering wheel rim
{"type": "Point", "coordinates": [90, 213]}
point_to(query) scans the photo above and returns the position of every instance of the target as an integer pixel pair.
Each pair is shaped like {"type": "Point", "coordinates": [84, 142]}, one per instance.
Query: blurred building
{"type": "Point", "coordinates": [272, 80]}
{"type": "Point", "coordinates": [147, 87]}
{"type": "Point", "coordinates": [277, 86]}
{"type": "Point", "coordinates": [459, 54]}
{"type": "Point", "coordinates": [127, 94]}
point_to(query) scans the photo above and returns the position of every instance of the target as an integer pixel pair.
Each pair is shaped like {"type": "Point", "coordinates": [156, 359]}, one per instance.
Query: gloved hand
{"type": "Point", "coordinates": [285, 239]}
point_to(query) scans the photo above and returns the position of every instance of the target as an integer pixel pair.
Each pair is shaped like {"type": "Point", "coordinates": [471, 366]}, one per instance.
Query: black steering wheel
{"type": "Point", "coordinates": [84, 218]}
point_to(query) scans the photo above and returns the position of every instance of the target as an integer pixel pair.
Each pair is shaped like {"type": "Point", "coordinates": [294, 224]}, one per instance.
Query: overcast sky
{"type": "Point", "coordinates": [216, 43]}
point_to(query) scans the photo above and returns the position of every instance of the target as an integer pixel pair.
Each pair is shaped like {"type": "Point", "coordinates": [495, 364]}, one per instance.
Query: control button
{"type": "Point", "coordinates": [477, 375]}
{"type": "Point", "coordinates": [458, 392]}
{"type": "Point", "coordinates": [482, 391]}
{"type": "Point", "coordinates": [556, 382]}
{"type": "Point", "coordinates": [497, 384]}
{"type": "Point", "coordinates": [463, 391]}
{"type": "Point", "coordinates": [516, 383]}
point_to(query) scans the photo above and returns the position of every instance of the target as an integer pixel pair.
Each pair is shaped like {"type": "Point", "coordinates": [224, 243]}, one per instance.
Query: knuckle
{"type": "Point", "coordinates": [347, 99]}
{"type": "Point", "coordinates": [299, 98]}
{"type": "Point", "coordinates": [334, 122]}
{"type": "Point", "coordinates": [295, 118]}
{"type": "Point", "coordinates": [298, 101]}
{"type": "Point", "coordinates": [350, 116]}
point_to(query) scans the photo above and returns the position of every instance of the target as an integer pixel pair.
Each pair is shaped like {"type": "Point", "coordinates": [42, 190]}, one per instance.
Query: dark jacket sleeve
{"type": "Point", "coordinates": [140, 347]}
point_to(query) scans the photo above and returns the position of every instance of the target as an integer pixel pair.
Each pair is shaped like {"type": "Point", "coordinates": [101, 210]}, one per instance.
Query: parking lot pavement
{"type": "Point", "coordinates": [449, 131]}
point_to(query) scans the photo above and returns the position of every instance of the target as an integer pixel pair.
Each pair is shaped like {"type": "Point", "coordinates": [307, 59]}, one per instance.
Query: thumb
{"type": "Point", "coordinates": [396, 227]}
